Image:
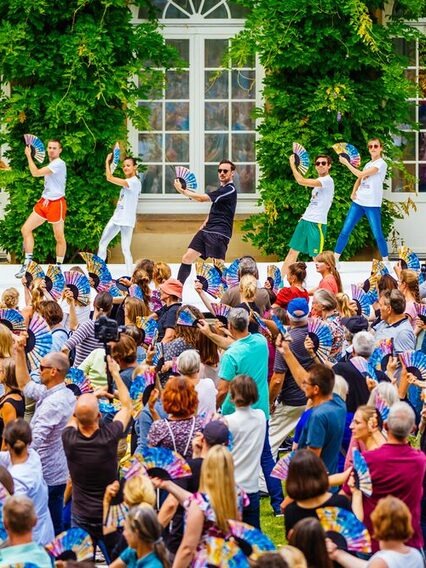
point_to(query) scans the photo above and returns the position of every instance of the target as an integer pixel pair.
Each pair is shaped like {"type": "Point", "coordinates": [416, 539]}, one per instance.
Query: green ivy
{"type": "Point", "coordinates": [76, 70]}
{"type": "Point", "coordinates": [331, 74]}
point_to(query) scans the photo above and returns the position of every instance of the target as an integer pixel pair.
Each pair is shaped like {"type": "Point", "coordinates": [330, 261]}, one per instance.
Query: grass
{"type": "Point", "coordinates": [272, 526]}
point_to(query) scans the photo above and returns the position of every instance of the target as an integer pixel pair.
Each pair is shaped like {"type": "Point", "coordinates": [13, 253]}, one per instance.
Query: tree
{"type": "Point", "coordinates": [331, 75]}
{"type": "Point", "coordinates": [76, 70]}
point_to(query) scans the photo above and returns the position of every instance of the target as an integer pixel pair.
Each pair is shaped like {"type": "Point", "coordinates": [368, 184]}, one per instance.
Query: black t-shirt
{"type": "Point", "coordinates": [358, 393]}
{"type": "Point", "coordinates": [294, 513]}
{"type": "Point", "coordinates": [222, 211]}
{"type": "Point", "coordinates": [167, 318]}
{"type": "Point", "coordinates": [92, 462]}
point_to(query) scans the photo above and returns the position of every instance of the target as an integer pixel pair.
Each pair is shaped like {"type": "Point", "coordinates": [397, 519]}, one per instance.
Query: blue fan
{"type": "Point", "coordinates": [140, 390]}
{"type": "Point", "coordinates": [364, 367]}
{"type": "Point", "coordinates": [12, 319]}
{"type": "Point", "coordinates": [38, 150]}
{"type": "Point", "coordinates": [155, 303]}
{"type": "Point", "coordinates": [408, 259]}
{"type": "Point", "coordinates": [370, 288]}
{"type": "Point", "coordinates": [158, 355]}
{"type": "Point", "coordinates": [221, 311]}
{"type": "Point", "coordinates": [301, 158]}
{"type": "Point", "coordinates": [186, 318]}
{"type": "Point", "coordinates": [362, 473]}
{"type": "Point", "coordinates": [150, 327]}
{"type": "Point", "coordinates": [115, 160]}
{"type": "Point", "coordinates": [116, 515]}
{"type": "Point", "coordinates": [421, 311]}
{"type": "Point", "coordinates": [380, 356]}
{"type": "Point", "coordinates": [39, 341]}
{"type": "Point", "coordinates": [230, 274]}
{"type": "Point", "coordinates": [322, 338]}
{"type": "Point", "coordinates": [274, 277]}
{"type": "Point", "coordinates": [251, 540]}
{"type": "Point", "coordinates": [218, 552]}
{"type": "Point", "coordinates": [344, 522]}
{"type": "Point", "coordinates": [382, 406]}
{"type": "Point", "coordinates": [279, 325]}
{"type": "Point", "coordinates": [108, 408]}
{"type": "Point", "coordinates": [78, 382]}
{"type": "Point", "coordinates": [378, 267]}
{"type": "Point", "coordinates": [280, 470]}
{"type": "Point", "coordinates": [76, 540]}
{"type": "Point", "coordinates": [362, 301]}
{"type": "Point", "coordinates": [132, 467]}
{"type": "Point", "coordinates": [165, 464]}
{"type": "Point", "coordinates": [135, 292]}
{"type": "Point", "coordinates": [186, 178]}
{"type": "Point", "coordinates": [33, 271]}
{"type": "Point", "coordinates": [79, 285]}
{"type": "Point", "coordinates": [415, 362]}
{"type": "Point", "coordinates": [55, 281]}
{"type": "Point", "coordinates": [98, 272]}
{"type": "Point", "coordinates": [264, 329]}
{"type": "Point", "coordinates": [210, 278]}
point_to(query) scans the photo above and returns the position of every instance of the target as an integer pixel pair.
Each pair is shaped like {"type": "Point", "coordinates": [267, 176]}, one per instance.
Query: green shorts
{"type": "Point", "coordinates": [308, 237]}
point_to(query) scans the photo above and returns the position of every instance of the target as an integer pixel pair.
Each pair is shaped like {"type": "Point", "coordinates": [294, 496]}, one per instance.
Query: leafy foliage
{"type": "Point", "coordinates": [76, 70]}
{"type": "Point", "coordinates": [331, 74]}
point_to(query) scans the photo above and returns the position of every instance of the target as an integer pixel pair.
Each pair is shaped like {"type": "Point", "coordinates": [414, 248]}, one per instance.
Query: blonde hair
{"type": "Point", "coordinates": [161, 273]}
{"type": "Point", "coordinates": [248, 287]}
{"type": "Point", "coordinates": [343, 305]}
{"type": "Point", "coordinates": [218, 482]}
{"type": "Point", "coordinates": [37, 294]}
{"type": "Point", "coordinates": [139, 490]}
{"type": "Point", "coordinates": [294, 557]}
{"type": "Point", "coordinates": [367, 412]}
{"type": "Point", "coordinates": [134, 308]}
{"type": "Point", "coordinates": [10, 299]}
{"type": "Point", "coordinates": [411, 280]}
{"type": "Point", "coordinates": [6, 341]}
{"type": "Point", "coordinates": [329, 259]}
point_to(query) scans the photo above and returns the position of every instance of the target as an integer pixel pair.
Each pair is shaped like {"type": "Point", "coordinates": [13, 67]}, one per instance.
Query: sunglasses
{"type": "Point", "coordinates": [321, 163]}
{"type": "Point", "coordinates": [223, 171]}
{"type": "Point", "coordinates": [44, 367]}
{"type": "Point", "coordinates": [374, 146]}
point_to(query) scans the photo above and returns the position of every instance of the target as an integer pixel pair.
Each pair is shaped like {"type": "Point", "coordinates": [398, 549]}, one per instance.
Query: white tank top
{"type": "Point", "coordinates": [412, 559]}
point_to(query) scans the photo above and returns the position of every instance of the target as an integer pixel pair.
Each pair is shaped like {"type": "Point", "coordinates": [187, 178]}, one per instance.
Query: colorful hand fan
{"type": "Point", "coordinates": [378, 267]}
{"type": "Point", "coordinates": [415, 362]}
{"type": "Point", "coordinates": [78, 382]}
{"type": "Point", "coordinates": [362, 473]}
{"type": "Point", "coordinates": [33, 271]}
{"type": "Point", "coordinates": [218, 552]}
{"type": "Point", "coordinates": [343, 522]}
{"type": "Point", "coordinates": [364, 367]}
{"type": "Point", "coordinates": [115, 160]}
{"type": "Point", "coordinates": [274, 277]}
{"type": "Point", "coordinates": [79, 285]}
{"type": "Point", "coordinates": [134, 291]}
{"type": "Point", "coordinates": [155, 303]}
{"type": "Point", "coordinates": [380, 356]}
{"type": "Point", "coordinates": [132, 467]}
{"type": "Point", "coordinates": [349, 152]}
{"type": "Point", "coordinates": [150, 327]}
{"type": "Point", "coordinates": [408, 259]}
{"type": "Point", "coordinates": [186, 318]}
{"type": "Point", "coordinates": [55, 281]}
{"type": "Point", "coordinates": [280, 470]}
{"type": "Point", "coordinates": [370, 288]}
{"type": "Point", "coordinates": [38, 150]}
{"type": "Point", "coordinates": [138, 388]}
{"type": "Point", "coordinates": [421, 311]}
{"type": "Point", "coordinates": [186, 178]}
{"type": "Point", "coordinates": [12, 319]}
{"type": "Point", "coordinates": [362, 301]}
{"type": "Point", "coordinates": [221, 311]}
{"type": "Point", "coordinates": [165, 464]}
{"type": "Point", "coordinates": [76, 540]}
{"type": "Point", "coordinates": [230, 274]}
{"type": "Point", "coordinates": [116, 515]}
{"type": "Point", "coordinates": [301, 158]}
{"type": "Point", "coordinates": [39, 341]}
{"type": "Point", "coordinates": [251, 540]}
{"type": "Point", "coordinates": [264, 330]}
{"type": "Point", "coordinates": [210, 278]}
{"type": "Point", "coordinates": [279, 325]}
{"type": "Point", "coordinates": [321, 335]}
{"type": "Point", "coordinates": [98, 272]}
{"type": "Point", "coordinates": [108, 408]}
{"type": "Point", "coordinates": [382, 406]}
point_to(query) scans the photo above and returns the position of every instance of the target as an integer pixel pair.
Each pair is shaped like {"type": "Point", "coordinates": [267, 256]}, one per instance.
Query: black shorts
{"type": "Point", "coordinates": [209, 245]}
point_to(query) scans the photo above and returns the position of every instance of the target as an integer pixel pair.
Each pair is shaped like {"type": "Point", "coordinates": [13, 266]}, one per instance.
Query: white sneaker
{"type": "Point", "coordinates": [21, 272]}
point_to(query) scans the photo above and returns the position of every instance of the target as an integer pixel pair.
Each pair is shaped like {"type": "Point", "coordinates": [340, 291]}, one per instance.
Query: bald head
{"type": "Point", "coordinates": [58, 361]}
{"type": "Point", "coordinates": [87, 410]}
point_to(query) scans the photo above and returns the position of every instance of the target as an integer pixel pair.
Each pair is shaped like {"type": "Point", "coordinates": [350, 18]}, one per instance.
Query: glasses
{"type": "Point", "coordinates": [44, 367]}
{"type": "Point", "coordinates": [321, 163]}
{"type": "Point", "coordinates": [221, 171]}
{"type": "Point", "coordinates": [374, 146]}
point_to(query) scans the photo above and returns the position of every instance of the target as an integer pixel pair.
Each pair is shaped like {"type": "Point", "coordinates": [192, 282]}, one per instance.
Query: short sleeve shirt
{"type": "Point", "coordinates": [167, 318]}
{"type": "Point", "coordinates": [54, 184]}
{"type": "Point", "coordinates": [288, 293]}
{"type": "Point", "coordinates": [125, 210]}
{"type": "Point", "coordinates": [222, 211]}
{"type": "Point", "coordinates": [370, 190]}
{"type": "Point", "coordinates": [321, 200]}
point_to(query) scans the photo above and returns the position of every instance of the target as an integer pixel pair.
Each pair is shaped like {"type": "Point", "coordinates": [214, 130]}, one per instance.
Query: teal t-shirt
{"type": "Point", "coordinates": [247, 356]}
{"type": "Point", "coordinates": [30, 553]}
{"type": "Point", "coordinates": [131, 560]}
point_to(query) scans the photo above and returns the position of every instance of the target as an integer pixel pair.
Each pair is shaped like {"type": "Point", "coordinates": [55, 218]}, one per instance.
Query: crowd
{"type": "Point", "coordinates": [141, 431]}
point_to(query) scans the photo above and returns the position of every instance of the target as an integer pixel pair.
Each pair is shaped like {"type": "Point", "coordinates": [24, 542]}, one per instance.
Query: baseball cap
{"type": "Point", "coordinates": [298, 308]}
{"type": "Point", "coordinates": [354, 324]}
{"type": "Point", "coordinates": [172, 287]}
{"type": "Point", "coordinates": [216, 432]}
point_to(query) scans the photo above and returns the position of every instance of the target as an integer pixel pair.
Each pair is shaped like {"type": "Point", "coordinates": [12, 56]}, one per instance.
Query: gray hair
{"type": "Point", "coordinates": [387, 391]}
{"type": "Point", "coordinates": [247, 266]}
{"type": "Point", "coordinates": [341, 387]}
{"type": "Point", "coordinates": [363, 343]}
{"type": "Point", "coordinates": [401, 420]}
{"type": "Point", "coordinates": [326, 299]}
{"type": "Point", "coordinates": [239, 319]}
{"type": "Point", "coordinates": [189, 362]}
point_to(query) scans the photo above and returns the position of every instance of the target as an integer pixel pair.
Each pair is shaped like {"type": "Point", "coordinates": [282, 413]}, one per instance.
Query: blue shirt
{"type": "Point", "coordinates": [30, 553]}
{"type": "Point", "coordinates": [129, 558]}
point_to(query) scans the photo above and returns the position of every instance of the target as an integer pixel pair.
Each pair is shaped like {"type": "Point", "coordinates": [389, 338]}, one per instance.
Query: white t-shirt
{"type": "Point", "coordinates": [412, 559]}
{"type": "Point", "coordinates": [321, 200]}
{"type": "Point", "coordinates": [206, 392]}
{"type": "Point", "coordinates": [54, 184]}
{"type": "Point", "coordinates": [125, 211]}
{"type": "Point", "coordinates": [370, 191]}
{"type": "Point", "coordinates": [248, 427]}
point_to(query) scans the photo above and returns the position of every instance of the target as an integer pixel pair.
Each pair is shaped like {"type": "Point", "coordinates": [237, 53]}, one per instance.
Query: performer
{"type": "Point", "coordinates": [51, 207]}
{"type": "Point", "coordinates": [367, 196]}
{"type": "Point", "coordinates": [212, 238]}
{"type": "Point", "coordinates": [309, 234]}
{"type": "Point", "coordinates": [124, 218]}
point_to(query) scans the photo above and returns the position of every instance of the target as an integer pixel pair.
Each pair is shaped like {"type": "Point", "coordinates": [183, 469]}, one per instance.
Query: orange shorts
{"type": "Point", "coordinates": [52, 211]}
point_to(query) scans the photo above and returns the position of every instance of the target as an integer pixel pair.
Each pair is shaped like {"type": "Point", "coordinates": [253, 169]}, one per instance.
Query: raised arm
{"type": "Point", "coordinates": [306, 182]}
{"type": "Point", "coordinates": [115, 180]}
{"type": "Point", "coordinates": [221, 341]}
{"type": "Point", "coordinates": [358, 173]}
{"type": "Point", "coordinates": [191, 194]}
{"type": "Point", "coordinates": [22, 374]}
{"type": "Point", "coordinates": [35, 171]}
{"type": "Point", "coordinates": [124, 415]}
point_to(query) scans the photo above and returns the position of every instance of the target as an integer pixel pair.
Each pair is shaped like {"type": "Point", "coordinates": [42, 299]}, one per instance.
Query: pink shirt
{"type": "Point", "coordinates": [329, 283]}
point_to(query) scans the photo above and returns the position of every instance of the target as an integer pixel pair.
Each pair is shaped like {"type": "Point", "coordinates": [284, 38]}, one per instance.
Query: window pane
{"type": "Point", "coordinates": [241, 119]}
{"type": "Point", "coordinates": [150, 147]}
{"type": "Point", "coordinates": [422, 177]}
{"type": "Point", "coordinates": [156, 116]}
{"type": "Point", "coordinates": [177, 85]}
{"type": "Point", "coordinates": [216, 86]}
{"type": "Point", "coordinates": [177, 148]}
{"type": "Point", "coordinates": [422, 53]}
{"type": "Point", "coordinates": [211, 179]}
{"type": "Point", "coordinates": [220, 12]}
{"type": "Point", "coordinates": [422, 146]}
{"type": "Point", "coordinates": [215, 147]}
{"type": "Point", "coordinates": [399, 182]}
{"type": "Point", "coordinates": [152, 180]}
{"type": "Point", "coordinates": [410, 74]}
{"type": "Point", "coordinates": [422, 82]}
{"type": "Point", "coordinates": [216, 116]}
{"type": "Point", "coordinates": [422, 113]}
{"type": "Point", "coordinates": [214, 51]}
{"type": "Point", "coordinates": [407, 49]}
{"type": "Point", "coordinates": [173, 12]}
{"type": "Point", "coordinates": [177, 116]}
{"type": "Point", "coordinates": [408, 144]}
{"type": "Point", "coordinates": [243, 147]}
{"type": "Point", "coordinates": [244, 178]}
{"type": "Point", "coordinates": [182, 45]}
{"type": "Point", "coordinates": [243, 84]}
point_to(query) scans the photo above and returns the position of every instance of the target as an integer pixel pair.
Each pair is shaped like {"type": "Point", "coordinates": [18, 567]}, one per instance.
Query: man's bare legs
{"type": "Point", "coordinates": [61, 245]}
{"type": "Point", "coordinates": [289, 259]}
{"type": "Point", "coordinates": [32, 222]}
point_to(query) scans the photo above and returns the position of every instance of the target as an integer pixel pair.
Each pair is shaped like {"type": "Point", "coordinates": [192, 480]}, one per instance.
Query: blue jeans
{"type": "Point", "coordinates": [56, 506]}
{"type": "Point", "coordinates": [251, 513]}
{"type": "Point", "coordinates": [274, 485]}
{"type": "Point", "coordinates": [354, 216]}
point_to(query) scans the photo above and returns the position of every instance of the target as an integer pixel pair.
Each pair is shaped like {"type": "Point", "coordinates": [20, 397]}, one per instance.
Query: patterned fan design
{"type": "Point", "coordinates": [98, 272]}
{"type": "Point", "coordinates": [38, 150]}
{"type": "Point", "coordinates": [362, 300]}
{"type": "Point", "coordinates": [165, 464]}
{"type": "Point", "coordinates": [211, 280]}
{"type": "Point", "coordinates": [79, 285]}
{"type": "Point", "coordinates": [132, 467]}
{"type": "Point", "coordinates": [186, 178]}
{"type": "Point", "coordinates": [150, 327]}
{"type": "Point", "coordinates": [158, 355]}
{"type": "Point", "coordinates": [78, 382]}
{"type": "Point", "coordinates": [408, 259]}
{"type": "Point", "coordinates": [421, 311]}
{"type": "Point", "coordinates": [370, 288]}
{"type": "Point", "coordinates": [378, 267]}
{"type": "Point", "coordinates": [74, 539]}
{"type": "Point", "coordinates": [274, 277]}
{"type": "Point", "coordinates": [115, 160]}
{"type": "Point", "coordinates": [301, 158]}
{"type": "Point", "coordinates": [349, 152]}
{"type": "Point", "coordinates": [55, 281]}
{"type": "Point", "coordinates": [364, 367]}
{"type": "Point", "coordinates": [321, 335]}
{"type": "Point", "coordinates": [382, 406]}
{"type": "Point", "coordinates": [280, 470]}
{"type": "Point", "coordinates": [264, 330]}
{"type": "Point", "coordinates": [279, 324]}
{"type": "Point", "coordinates": [155, 303]}
{"type": "Point", "coordinates": [33, 271]}
{"type": "Point", "coordinates": [230, 274]}
{"type": "Point", "coordinates": [137, 390]}
{"type": "Point", "coordinates": [380, 356]}
{"type": "Point", "coordinates": [219, 552]}
{"type": "Point", "coordinates": [12, 319]}
{"type": "Point", "coordinates": [135, 292]}
{"type": "Point", "coordinates": [221, 311]}
{"type": "Point", "coordinates": [345, 523]}
{"type": "Point", "coordinates": [108, 408]}
{"type": "Point", "coordinates": [186, 318]}
{"type": "Point", "coordinates": [362, 473]}
{"type": "Point", "coordinates": [39, 341]}
{"type": "Point", "coordinates": [415, 362]}
{"type": "Point", "coordinates": [116, 515]}
{"type": "Point", "coordinates": [251, 540]}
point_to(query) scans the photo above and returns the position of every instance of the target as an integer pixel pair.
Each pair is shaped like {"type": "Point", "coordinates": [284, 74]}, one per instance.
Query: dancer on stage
{"type": "Point", "coordinates": [309, 234]}
{"type": "Point", "coordinates": [367, 196]}
{"type": "Point", "coordinates": [124, 218]}
{"type": "Point", "coordinates": [51, 207]}
{"type": "Point", "coordinates": [212, 238]}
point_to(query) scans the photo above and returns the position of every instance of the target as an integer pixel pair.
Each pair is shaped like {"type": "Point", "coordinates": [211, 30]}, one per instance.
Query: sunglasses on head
{"type": "Point", "coordinates": [321, 163]}
{"type": "Point", "coordinates": [374, 145]}
{"type": "Point", "coordinates": [222, 171]}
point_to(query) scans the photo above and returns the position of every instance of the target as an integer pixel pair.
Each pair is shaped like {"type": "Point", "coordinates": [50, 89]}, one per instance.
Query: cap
{"type": "Point", "coordinates": [216, 433]}
{"type": "Point", "coordinates": [172, 287]}
{"type": "Point", "coordinates": [298, 308]}
{"type": "Point", "coordinates": [355, 323]}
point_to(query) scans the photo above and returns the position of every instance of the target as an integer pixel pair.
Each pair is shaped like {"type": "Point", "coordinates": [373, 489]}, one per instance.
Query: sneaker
{"type": "Point", "coordinates": [21, 272]}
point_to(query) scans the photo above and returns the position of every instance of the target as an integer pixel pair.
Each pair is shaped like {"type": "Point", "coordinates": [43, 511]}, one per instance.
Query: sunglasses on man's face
{"type": "Point", "coordinates": [321, 163]}
{"type": "Point", "coordinates": [373, 146]}
{"type": "Point", "coordinates": [221, 171]}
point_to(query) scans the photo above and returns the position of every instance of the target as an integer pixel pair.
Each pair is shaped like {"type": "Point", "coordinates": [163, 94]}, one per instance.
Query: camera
{"type": "Point", "coordinates": [423, 269]}
{"type": "Point", "coordinates": [107, 329]}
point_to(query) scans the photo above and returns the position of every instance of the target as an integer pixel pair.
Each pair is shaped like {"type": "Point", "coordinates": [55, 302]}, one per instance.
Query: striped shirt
{"type": "Point", "coordinates": [84, 342]}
